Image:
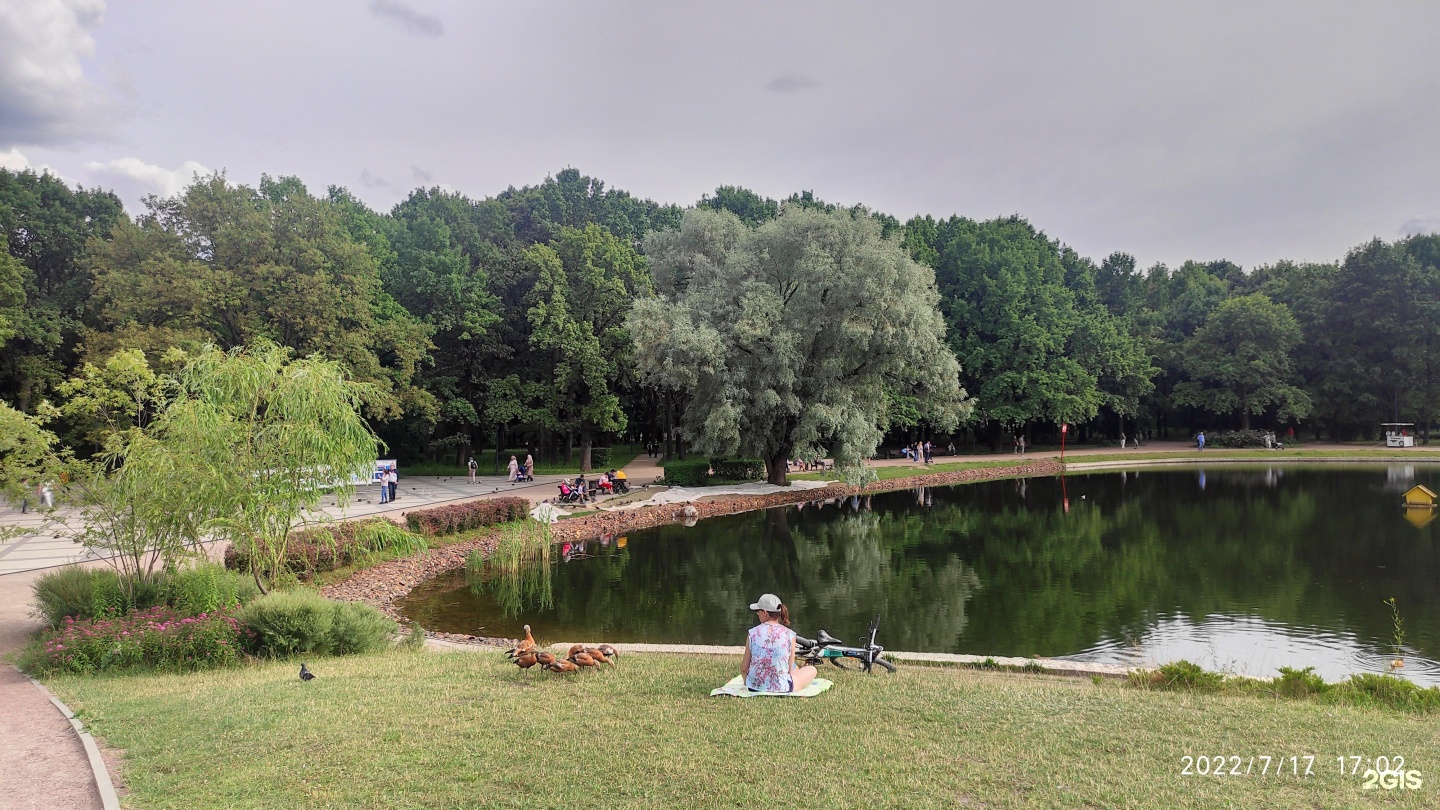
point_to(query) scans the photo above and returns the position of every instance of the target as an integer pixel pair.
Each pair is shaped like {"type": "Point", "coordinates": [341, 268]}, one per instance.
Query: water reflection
{"type": "Point", "coordinates": [1258, 568]}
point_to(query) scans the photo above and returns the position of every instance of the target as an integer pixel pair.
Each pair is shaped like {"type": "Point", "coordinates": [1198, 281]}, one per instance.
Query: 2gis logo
{"type": "Point", "coordinates": [1391, 780]}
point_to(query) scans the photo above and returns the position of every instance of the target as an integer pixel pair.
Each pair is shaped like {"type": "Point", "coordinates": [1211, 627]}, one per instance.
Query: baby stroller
{"type": "Point", "coordinates": [569, 494]}
{"type": "Point", "coordinates": [620, 484]}
{"type": "Point", "coordinates": [521, 475]}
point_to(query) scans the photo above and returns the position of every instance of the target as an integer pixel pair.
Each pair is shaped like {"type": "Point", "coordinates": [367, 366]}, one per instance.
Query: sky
{"type": "Point", "coordinates": [1252, 131]}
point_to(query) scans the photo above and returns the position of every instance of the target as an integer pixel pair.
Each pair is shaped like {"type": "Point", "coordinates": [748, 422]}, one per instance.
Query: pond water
{"type": "Point", "coordinates": [1240, 569]}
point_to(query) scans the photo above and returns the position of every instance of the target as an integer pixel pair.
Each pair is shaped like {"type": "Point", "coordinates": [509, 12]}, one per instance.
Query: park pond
{"type": "Point", "coordinates": [1241, 569]}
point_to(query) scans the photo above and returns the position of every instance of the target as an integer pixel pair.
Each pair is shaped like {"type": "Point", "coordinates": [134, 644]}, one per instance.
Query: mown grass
{"type": "Point", "coordinates": [1414, 454]}
{"type": "Point", "coordinates": [451, 730]}
{"type": "Point", "coordinates": [891, 472]}
{"type": "Point", "coordinates": [620, 455]}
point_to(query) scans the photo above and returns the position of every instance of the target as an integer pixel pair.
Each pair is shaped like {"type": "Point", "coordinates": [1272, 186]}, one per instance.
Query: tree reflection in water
{"type": "Point", "coordinates": [1000, 568]}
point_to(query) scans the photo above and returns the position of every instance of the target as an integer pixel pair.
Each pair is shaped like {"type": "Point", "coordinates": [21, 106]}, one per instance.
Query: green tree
{"type": "Point", "coordinates": [123, 392]}
{"type": "Point", "coordinates": [271, 434]}
{"type": "Point", "coordinates": [46, 226]}
{"type": "Point", "coordinates": [587, 279]}
{"type": "Point", "coordinates": [233, 265]}
{"type": "Point", "coordinates": [1240, 361]}
{"type": "Point", "coordinates": [751, 208]}
{"type": "Point", "coordinates": [28, 456]}
{"type": "Point", "coordinates": [789, 344]}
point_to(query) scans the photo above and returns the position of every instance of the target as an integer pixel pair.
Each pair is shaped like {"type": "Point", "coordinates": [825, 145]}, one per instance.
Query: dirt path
{"type": "Point", "coordinates": [42, 763]}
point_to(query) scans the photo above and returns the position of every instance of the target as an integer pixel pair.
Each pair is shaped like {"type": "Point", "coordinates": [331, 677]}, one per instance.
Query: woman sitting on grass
{"type": "Point", "coordinates": [769, 663]}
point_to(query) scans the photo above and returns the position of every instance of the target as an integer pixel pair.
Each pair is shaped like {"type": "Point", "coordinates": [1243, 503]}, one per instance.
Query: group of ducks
{"type": "Point", "coordinates": [526, 655]}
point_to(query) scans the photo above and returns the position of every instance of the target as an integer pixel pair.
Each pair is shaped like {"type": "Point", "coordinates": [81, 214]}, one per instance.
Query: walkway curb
{"type": "Point", "coordinates": [108, 798]}
{"type": "Point", "coordinates": [1039, 666]}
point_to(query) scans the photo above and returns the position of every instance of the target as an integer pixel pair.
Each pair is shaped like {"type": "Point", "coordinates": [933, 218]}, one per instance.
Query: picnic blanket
{"type": "Point", "coordinates": [736, 688]}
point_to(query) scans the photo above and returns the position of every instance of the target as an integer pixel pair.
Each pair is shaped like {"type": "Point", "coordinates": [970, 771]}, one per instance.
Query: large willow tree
{"type": "Point", "coordinates": [788, 335]}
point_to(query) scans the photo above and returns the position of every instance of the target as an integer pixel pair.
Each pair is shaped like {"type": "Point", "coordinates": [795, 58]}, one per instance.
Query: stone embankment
{"type": "Point", "coordinates": [386, 583]}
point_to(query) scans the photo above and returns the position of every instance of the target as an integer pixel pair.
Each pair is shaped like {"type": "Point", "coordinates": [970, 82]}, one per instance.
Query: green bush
{"type": "Point", "coordinates": [1236, 438]}
{"type": "Point", "coordinates": [298, 621]}
{"type": "Point", "coordinates": [688, 473]}
{"type": "Point", "coordinates": [91, 593]}
{"type": "Point", "coordinates": [207, 588]}
{"type": "Point", "coordinates": [599, 458]}
{"type": "Point", "coordinates": [1387, 690]}
{"type": "Point", "coordinates": [738, 469]}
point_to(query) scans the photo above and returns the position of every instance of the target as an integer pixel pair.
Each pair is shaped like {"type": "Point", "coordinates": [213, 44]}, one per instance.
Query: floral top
{"type": "Point", "coordinates": [770, 648]}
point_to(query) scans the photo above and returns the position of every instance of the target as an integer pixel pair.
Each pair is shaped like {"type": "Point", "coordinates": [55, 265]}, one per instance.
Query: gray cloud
{"type": "Point", "coordinates": [1419, 225]}
{"type": "Point", "coordinates": [369, 180]}
{"type": "Point", "coordinates": [45, 96]}
{"type": "Point", "coordinates": [421, 175]}
{"type": "Point", "coordinates": [791, 83]}
{"type": "Point", "coordinates": [416, 22]}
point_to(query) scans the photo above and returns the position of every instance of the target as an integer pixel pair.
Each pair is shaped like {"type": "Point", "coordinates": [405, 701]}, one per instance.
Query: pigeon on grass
{"type": "Point", "coordinates": [306, 674]}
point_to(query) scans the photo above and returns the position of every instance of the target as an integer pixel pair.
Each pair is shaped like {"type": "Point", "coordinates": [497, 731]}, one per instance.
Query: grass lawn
{"type": "Point", "coordinates": [620, 455]}
{"type": "Point", "coordinates": [909, 470]}
{"type": "Point", "coordinates": [1415, 454]}
{"type": "Point", "coordinates": [453, 730]}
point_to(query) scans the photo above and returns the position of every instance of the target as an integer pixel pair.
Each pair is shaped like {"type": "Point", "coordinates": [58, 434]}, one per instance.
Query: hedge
{"type": "Point", "coordinates": [687, 473]}
{"type": "Point", "coordinates": [326, 548]}
{"type": "Point", "coordinates": [738, 469]}
{"type": "Point", "coordinates": [599, 458]}
{"type": "Point", "coordinates": [1236, 438]}
{"type": "Point", "coordinates": [463, 517]}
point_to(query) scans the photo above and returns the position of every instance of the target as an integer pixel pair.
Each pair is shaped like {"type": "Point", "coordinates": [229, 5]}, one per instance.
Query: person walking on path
{"type": "Point", "coordinates": [47, 496]}
{"type": "Point", "coordinates": [530, 466]}
{"type": "Point", "coordinates": [513, 468]}
{"type": "Point", "coordinates": [1200, 440]}
{"type": "Point", "coordinates": [471, 467]}
{"type": "Point", "coordinates": [1022, 444]}
{"type": "Point", "coordinates": [394, 483]}
{"type": "Point", "coordinates": [1122, 441]}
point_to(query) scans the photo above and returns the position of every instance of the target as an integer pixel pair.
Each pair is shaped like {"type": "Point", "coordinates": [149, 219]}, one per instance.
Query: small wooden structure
{"type": "Point", "coordinates": [1399, 434]}
{"type": "Point", "coordinates": [1420, 497]}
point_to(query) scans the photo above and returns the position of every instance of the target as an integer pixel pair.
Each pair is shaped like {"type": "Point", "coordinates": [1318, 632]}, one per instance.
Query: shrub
{"type": "Point", "coordinates": [738, 469]}
{"type": "Point", "coordinates": [158, 637]}
{"type": "Point", "coordinates": [1236, 438]}
{"type": "Point", "coordinates": [207, 588]}
{"type": "Point", "coordinates": [1387, 690]}
{"type": "Point", "coordinates": [91, 593]}
{"type": "Point", "coordinates": [599, 457]}
{"type": "Point", "coordinates": [326, 548]}
{"type": "Point", "coordinates": [294, 622]}
{"type": "Point", "coordinates": [462, 517]}
{"type": "Point", "coordinates": [687, 473]}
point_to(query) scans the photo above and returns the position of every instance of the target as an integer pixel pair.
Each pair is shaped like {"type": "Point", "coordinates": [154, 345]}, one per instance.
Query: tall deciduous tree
{"type": "Point", "coordinates": [788, 345]}
{"type": "Point", "coordinates": [587, 279]}
{"type": "Point", "coordinates": [232, 265]}
{"type": "Point", "coordinates": [1240, 361]}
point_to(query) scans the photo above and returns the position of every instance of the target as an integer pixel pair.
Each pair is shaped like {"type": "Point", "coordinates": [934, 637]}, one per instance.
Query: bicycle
{"type": "Point", "coordinates": [825, 647]}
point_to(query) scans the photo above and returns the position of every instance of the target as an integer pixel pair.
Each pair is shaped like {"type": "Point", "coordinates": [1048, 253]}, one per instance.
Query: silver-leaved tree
{"type": "Point", "coordinates": [788, 336]}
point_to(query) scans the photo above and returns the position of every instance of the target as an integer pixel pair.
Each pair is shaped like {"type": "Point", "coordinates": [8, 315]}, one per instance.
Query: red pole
{"type": "Point", "coordinates": [1063, 430]}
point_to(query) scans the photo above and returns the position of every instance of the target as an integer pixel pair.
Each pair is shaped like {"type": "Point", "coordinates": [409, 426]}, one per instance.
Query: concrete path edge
{"type": "Point", "coordinates": [1042, 666]}
{"type": "Point", "coordinates": [108, 798]}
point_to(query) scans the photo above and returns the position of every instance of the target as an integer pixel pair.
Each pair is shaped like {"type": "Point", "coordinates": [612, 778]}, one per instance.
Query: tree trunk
{"type": "Point", "coordinates": [777, 468]}
{"type": "Point", "coordinates": [586, 440]}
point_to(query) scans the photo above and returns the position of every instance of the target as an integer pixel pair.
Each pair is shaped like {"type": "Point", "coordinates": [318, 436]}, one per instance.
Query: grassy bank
{"type": "Point", "coordinates": [620, 455]}
{"type": "Point", "coordinates": [448, 730]}
{"type": "Point", "coordinates": [892, 472]}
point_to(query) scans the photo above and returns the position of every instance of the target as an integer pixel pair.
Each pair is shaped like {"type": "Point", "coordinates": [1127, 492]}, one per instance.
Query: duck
{"type": "Point", "coordinates": [584, 659]}
{"type": "Point", "coordinates": [598, 654]}
{"type": "Point", "coordinates": [562, 666]}
{"type": "Point", "coordinates": [526, 660]}
{"type": "Point", "coordinates": [526, 645]}
{"type": "Point", "coordinates": [609, 651]}
{"type": "Point", "coordinates": [575, 648]}
{"type": "Point", "coordinates": [545, 659]}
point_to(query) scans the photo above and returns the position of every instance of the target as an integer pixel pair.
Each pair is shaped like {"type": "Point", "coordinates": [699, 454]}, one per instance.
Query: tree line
{"type": "Point", "coordinates": [566, 315]}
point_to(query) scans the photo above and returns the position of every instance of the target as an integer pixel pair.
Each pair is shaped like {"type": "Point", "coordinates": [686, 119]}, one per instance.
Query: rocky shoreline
{"type": "Point", "coordinates": [383, 585]}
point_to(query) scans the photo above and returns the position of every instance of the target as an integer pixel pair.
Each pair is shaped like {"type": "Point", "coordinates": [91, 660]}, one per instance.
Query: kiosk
{"type": "Point", "coordinates": [1399, 434]}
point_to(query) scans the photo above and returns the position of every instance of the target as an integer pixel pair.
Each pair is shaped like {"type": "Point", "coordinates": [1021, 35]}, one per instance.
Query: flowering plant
{"type": "Point", "coordinates": [159, 637]}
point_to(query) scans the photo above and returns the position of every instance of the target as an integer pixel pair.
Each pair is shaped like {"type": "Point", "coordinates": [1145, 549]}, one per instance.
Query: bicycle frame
{"type": "Point", "coordinates": [828, 648]}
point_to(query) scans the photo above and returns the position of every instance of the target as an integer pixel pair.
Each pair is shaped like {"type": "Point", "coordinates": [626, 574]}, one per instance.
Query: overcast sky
{"type": "Point", "coordinates": [1254, 131]}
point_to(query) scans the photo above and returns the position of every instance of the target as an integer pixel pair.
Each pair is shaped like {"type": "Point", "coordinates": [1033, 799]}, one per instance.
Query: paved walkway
{"type": "Point", "coordinates": [42, 762]}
